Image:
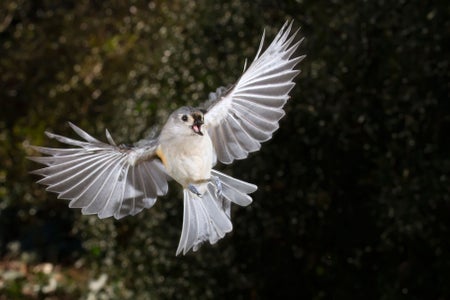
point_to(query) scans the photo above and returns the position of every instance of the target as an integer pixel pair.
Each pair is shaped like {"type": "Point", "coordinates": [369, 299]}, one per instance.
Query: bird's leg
{"type": "Point", "coordinates": [218, 184]}
{"type": "Point", "coordinates": [193, 189]}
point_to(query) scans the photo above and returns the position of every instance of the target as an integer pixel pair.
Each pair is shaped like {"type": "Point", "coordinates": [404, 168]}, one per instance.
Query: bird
{"type": "Point", "coordinates": [117, 180]}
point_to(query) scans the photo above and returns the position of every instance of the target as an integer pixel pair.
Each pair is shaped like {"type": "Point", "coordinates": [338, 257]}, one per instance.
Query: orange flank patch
{"type": "Point", "coordinates": [161, 155]}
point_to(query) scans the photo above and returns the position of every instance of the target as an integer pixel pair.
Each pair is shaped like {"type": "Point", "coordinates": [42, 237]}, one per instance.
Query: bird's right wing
{"type": "Point", "coordinates": [101, 178]}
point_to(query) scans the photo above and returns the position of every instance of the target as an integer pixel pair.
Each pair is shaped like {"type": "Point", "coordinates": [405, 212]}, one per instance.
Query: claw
{"type": "Point", "coordinates": [218, 185]}
{"type": "Point", "coordinates": [193, 189]}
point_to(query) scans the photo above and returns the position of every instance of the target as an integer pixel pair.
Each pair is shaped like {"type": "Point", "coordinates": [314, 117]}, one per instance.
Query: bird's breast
{"type": "Point", "coordinates": [187, 159]}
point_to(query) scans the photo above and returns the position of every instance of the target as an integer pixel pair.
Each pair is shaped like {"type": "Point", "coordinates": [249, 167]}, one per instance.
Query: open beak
{"type": "Point", "coordinates": [197, 126]}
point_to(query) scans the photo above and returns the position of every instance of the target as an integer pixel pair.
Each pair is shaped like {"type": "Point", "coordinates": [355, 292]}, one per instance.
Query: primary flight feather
{"type": "Point", "coordinates": [111, 180]}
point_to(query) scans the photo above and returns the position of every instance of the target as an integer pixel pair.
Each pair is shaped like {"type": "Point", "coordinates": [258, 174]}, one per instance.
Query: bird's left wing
{"type": "Point", "coordinates": [101, 178]}
{"type": "Point", "coordinates": [248, 113]}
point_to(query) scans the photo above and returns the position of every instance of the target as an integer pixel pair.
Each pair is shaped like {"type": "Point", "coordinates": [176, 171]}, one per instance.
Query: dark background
{"type": "Point", "coordinates": [354, 188]}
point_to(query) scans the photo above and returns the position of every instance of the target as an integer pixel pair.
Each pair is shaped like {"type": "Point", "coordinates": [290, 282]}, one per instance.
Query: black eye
{"type": "Point", "coordinates": [184, 118]}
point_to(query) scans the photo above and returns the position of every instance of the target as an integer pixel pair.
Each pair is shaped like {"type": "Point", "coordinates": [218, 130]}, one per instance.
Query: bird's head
{"type": "Point", "coordinates": [187, 121]}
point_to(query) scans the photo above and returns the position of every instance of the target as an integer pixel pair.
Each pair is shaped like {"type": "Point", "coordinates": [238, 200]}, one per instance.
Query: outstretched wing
{"type": "Point", "coordinates": [100, 178]}
{"type": "Point", "coordinates": [248, 113]}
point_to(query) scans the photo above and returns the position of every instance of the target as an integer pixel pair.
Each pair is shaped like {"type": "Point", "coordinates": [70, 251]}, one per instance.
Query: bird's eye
{"type": "Point", "coordinates": [184, 118]}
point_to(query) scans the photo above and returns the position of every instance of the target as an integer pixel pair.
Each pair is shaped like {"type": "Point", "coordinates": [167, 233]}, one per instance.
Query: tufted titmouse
{"type": "Point", "coordinates": [116, 180]}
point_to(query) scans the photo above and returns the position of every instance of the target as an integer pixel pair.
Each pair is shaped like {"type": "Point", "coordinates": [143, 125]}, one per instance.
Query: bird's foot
{"type": "Point", "coordinates": [193, 189]}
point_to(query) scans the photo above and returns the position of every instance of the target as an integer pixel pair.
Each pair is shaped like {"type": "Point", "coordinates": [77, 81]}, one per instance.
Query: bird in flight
{"type": "Point", "coordinates": [108, 179]}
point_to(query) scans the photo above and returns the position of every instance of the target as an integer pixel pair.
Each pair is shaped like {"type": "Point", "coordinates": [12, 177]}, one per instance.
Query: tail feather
{"type": "Point", "coordinates": [207, 217]}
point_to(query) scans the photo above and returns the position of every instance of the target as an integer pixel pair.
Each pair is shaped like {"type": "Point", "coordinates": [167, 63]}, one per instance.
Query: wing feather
{"type": "Point", "coordinates": [109, 194]}
{"type": "Point", "coordinates": [102, 178]}
{"type": "Point", "coordinates": [248, 113]}
{"type": "Point", "coordinates": [103, 194]}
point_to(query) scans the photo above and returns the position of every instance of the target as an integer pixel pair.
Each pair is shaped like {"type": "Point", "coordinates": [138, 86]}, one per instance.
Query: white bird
{"type": "Point", "coordinates": [111, 180]}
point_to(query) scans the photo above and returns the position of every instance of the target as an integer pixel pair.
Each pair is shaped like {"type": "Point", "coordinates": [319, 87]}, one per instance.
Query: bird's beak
{"type": "Point", "coordinates": [197, 126]}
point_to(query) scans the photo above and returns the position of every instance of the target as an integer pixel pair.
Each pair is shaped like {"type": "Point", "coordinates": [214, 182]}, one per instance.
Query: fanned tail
{"type": "Point", "coordinates": [207, 217]}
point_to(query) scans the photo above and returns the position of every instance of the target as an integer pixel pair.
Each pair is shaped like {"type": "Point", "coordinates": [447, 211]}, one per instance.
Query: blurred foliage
{"type": "Point", "coordinates": [354, 189]}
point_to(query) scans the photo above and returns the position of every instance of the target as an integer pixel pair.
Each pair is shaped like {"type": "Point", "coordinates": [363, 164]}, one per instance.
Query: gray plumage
{"type": "Point", "coordinates": [111, 180]}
